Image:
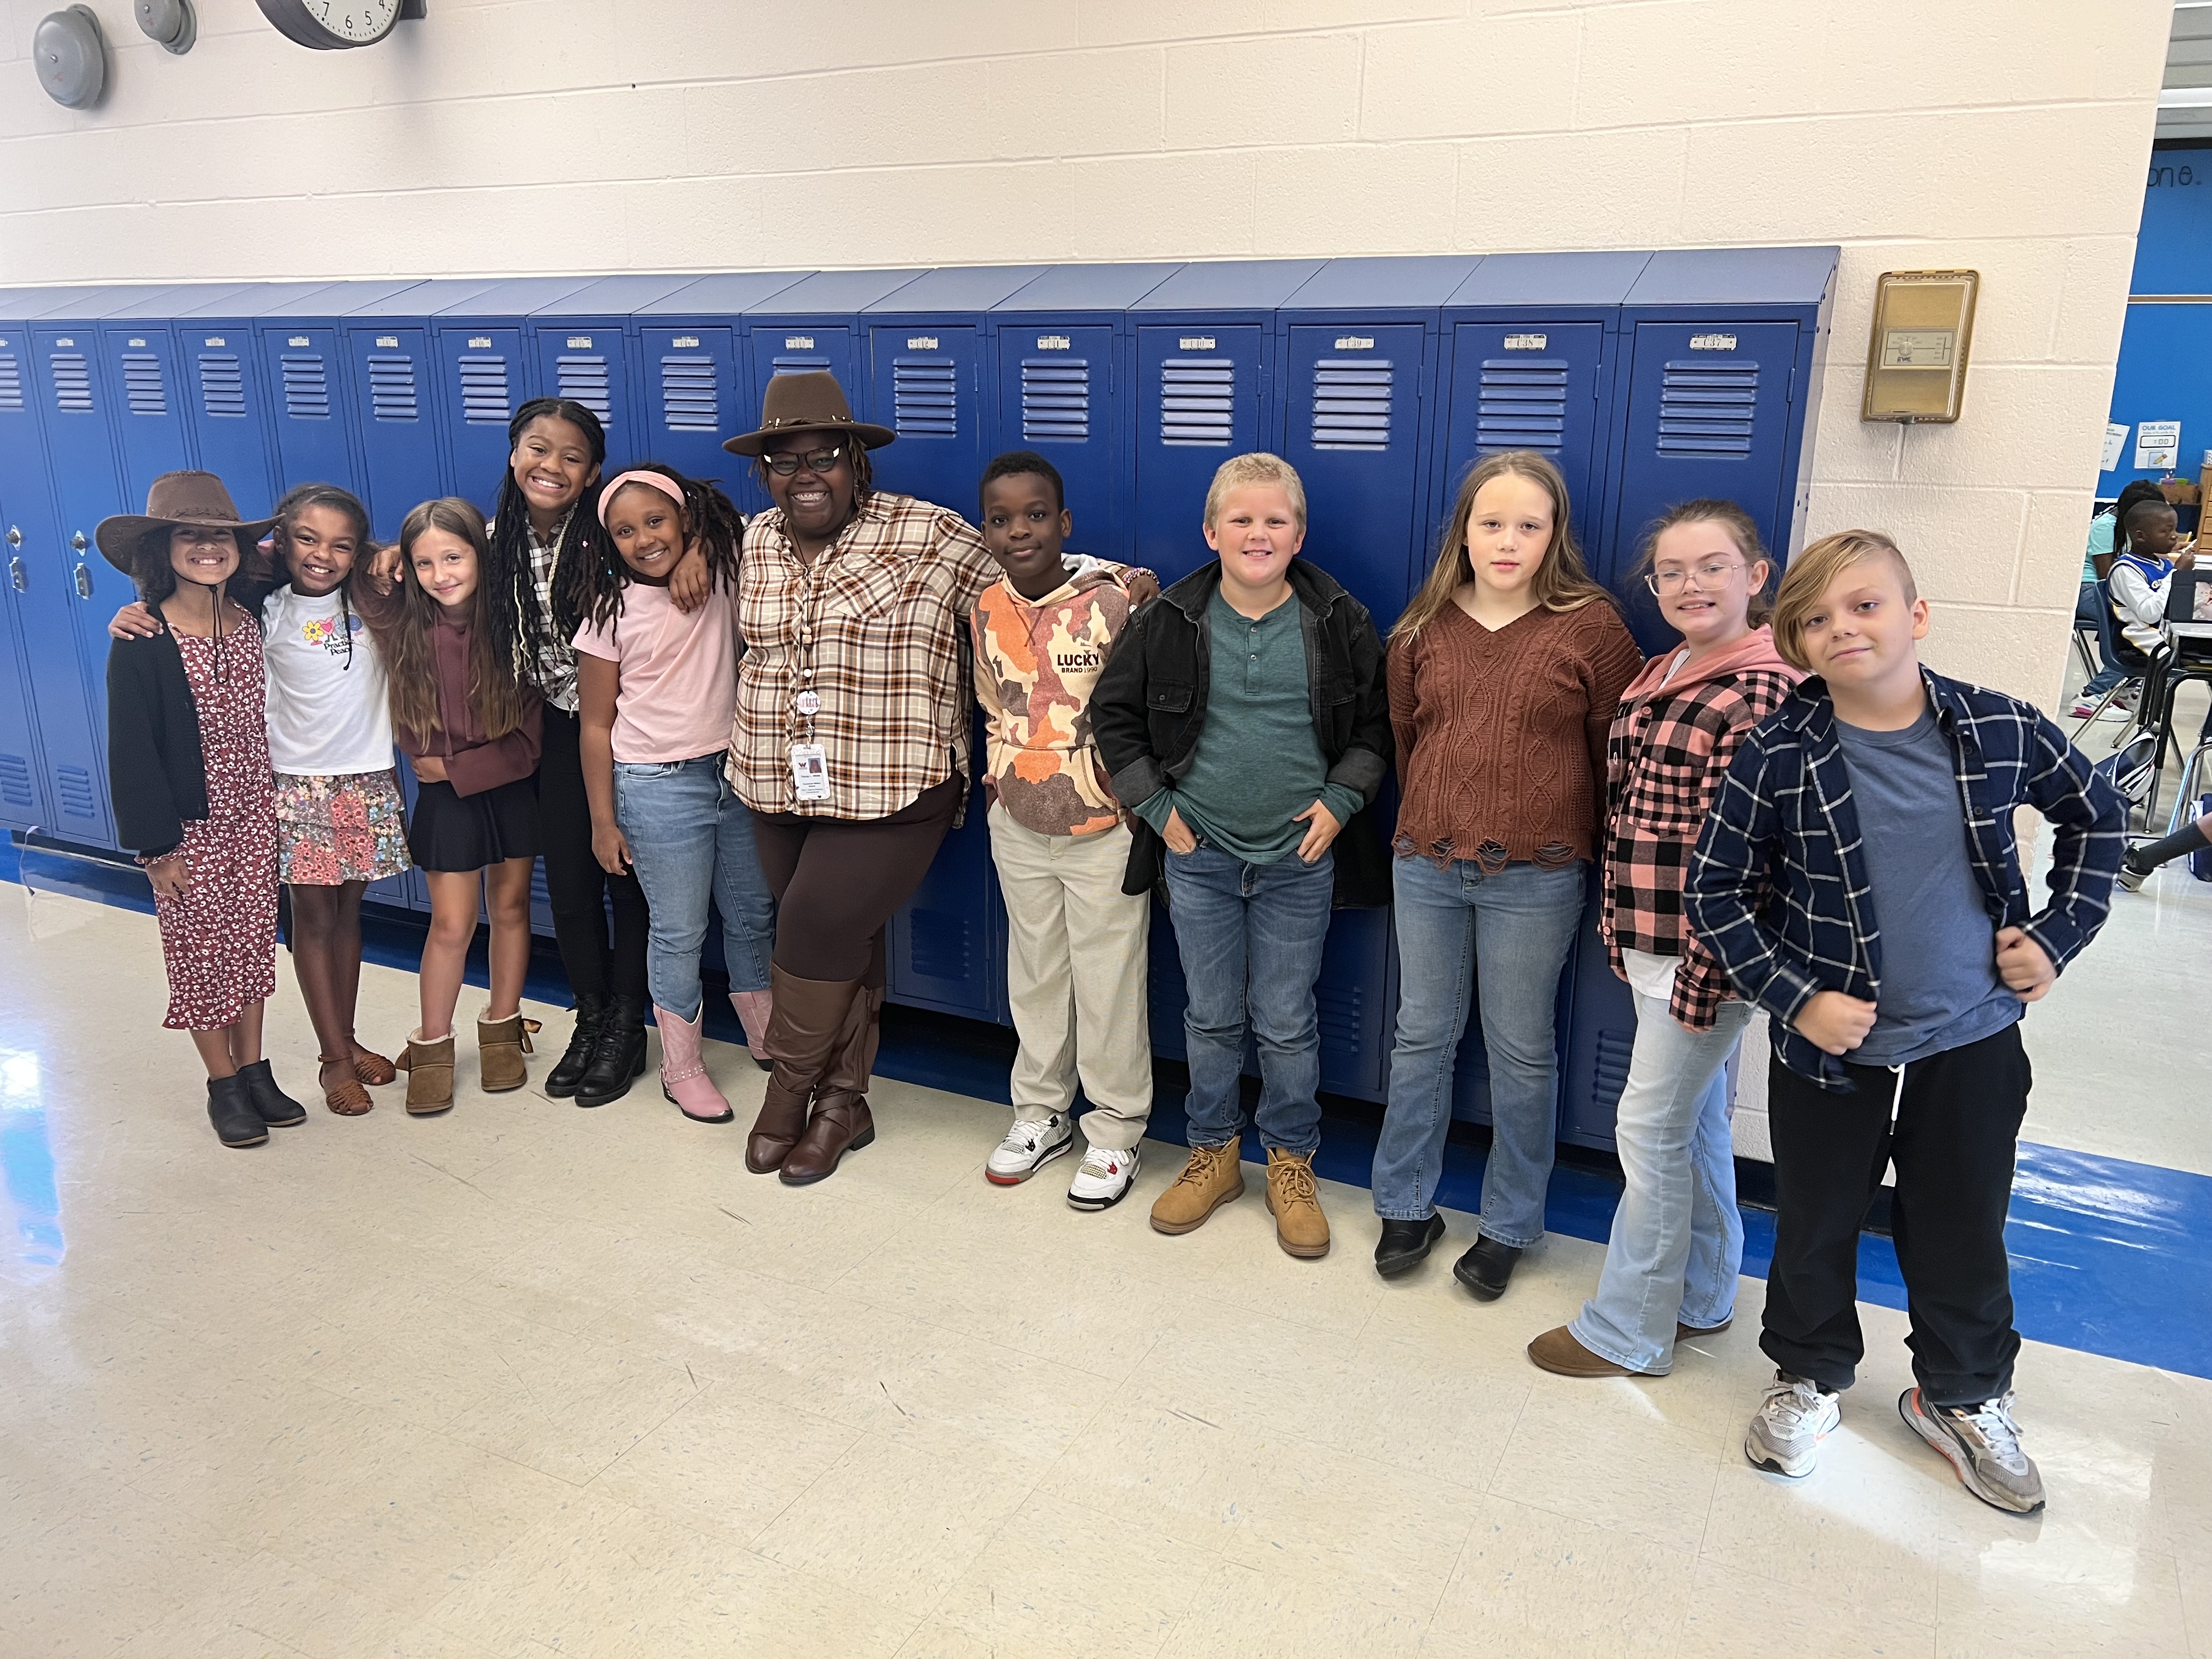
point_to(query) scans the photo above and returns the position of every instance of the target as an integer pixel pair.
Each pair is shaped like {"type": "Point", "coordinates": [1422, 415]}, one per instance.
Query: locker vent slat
{"type": "Point", "coordinates": [925, 398]}
{"type": "Point", "coordinates": [143, 393]}
{"type": "Point", "coordinates": [584, 379]}
{"type": "Point", "coordinates": [73, 793]}
{"type": "Point", "coordinates": [1339, 1011]}
{"type": "Point", "coordinates": [690, 398]}
{"type": "Point", "coordinates": [1609, 1073]}
{"type": "Point", "coordinates": [15, 781]}
{"type": "Point", "coordinates": [941, 943]}
{"type": "Point", "coordinates": [1352, 404]}
{"type": "Point", "coordinates": [796, 364]}
{"type": "Point", "coordinates": [392, 389]}
{"type": "Point", "coordinates": [222, 385]}
{"type": "Point", "coordinates": [1521, 403]}
{"type": "Point", "coordinates": [484, 392]}
{"type": "Point", "coordinates": [307, 385]}
{"type": "Point", "coordinates": [11, 382]}
{"type": "Point", "coordinates": [1057, 400]}
{"type": "Point", "coordinates": [72, 382]}
{"type": "Point", "coordinates": [1198, 401]}
{"type": "Point", "coordinates": [1705, 409]}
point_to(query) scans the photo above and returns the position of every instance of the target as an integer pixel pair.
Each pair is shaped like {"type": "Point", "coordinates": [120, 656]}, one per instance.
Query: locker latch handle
{"type": "Point", "coordinates": [18, 576]}
{"type": "Point", "coordinates": [83, 582]}
{"type": "Point", "coordinates": [78, 542]}
{"type": "Point", "coordinates": [14, 536]}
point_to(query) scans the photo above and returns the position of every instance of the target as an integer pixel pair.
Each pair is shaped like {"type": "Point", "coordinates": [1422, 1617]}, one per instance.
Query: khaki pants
{"type": "Point", "coordinates": [1075, 976]}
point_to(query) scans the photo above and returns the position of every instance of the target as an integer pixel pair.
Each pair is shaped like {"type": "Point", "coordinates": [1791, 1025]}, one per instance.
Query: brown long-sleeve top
{"type": "Point", "coordinates": [1502, 736]}
{"type": "Point", "coordinates": [474, 762]}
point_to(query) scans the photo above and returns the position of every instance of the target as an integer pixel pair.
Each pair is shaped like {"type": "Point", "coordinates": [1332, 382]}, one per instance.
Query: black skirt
{"type": "Point", "coordinates": [458, 833]}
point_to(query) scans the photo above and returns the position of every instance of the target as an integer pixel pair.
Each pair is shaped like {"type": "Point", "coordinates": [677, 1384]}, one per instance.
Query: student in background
{"type": "Point", "coordinates": [2092, 606]}
{"type": "Point", "coordinates": [2138, 866]}
{"type": "Point", "coordinates": [1858, 877]}
{"type": "Point", "coordinates": [2151, 550]}
{"type": "Point", "coordinates": [1242, 716]}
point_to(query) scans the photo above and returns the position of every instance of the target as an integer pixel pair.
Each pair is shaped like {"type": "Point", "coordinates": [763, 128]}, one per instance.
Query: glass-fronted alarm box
{"type": "Point", "coordinates": [1923, 322]}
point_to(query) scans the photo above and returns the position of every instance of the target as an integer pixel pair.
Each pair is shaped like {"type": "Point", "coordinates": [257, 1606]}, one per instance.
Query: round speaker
{"type": "Point", "coordinates": [169, 24]}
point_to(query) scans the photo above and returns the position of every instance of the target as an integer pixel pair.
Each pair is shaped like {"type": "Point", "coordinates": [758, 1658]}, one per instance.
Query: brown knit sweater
{"type": "Point", "coordinates": [1501, 737]}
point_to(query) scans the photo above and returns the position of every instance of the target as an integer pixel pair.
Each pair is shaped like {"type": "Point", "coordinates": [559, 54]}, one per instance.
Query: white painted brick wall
{"type": "Point", "coordinates": [507, 136]}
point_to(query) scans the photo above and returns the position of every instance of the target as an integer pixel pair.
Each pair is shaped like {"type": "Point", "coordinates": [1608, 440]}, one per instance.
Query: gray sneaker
{"type": "Point", "coordinates": [1983, 1444]}
{"type": "Point", "coordinates": [1794, 1418]}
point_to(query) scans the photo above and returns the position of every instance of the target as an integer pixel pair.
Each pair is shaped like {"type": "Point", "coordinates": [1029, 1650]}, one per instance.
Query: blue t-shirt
{"type": "Point", "coordinates": [1940, 988]}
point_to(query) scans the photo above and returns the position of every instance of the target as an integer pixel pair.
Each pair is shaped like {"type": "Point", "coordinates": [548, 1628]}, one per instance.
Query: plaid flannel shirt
{"type": "Point", "coordinates": [888, 607]}
{"type": "Point", "coordinates": [557, 662]}
{"type": "Point", "coordinates": [1777, 889]}
{"type": "Point", "coordinates": [1665, 757]}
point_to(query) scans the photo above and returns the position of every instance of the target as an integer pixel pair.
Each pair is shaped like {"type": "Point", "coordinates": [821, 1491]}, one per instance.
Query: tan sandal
{"type": "Point", "coordinates": [371, 1067]}
{"type": "Point", "coordinates": [346, 1096]}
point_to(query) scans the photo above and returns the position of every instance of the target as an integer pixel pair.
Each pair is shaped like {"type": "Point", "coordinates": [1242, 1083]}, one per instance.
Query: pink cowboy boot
{"type": "Point", "coordinates": [754, 1008]}
{"type": "Point", "coordinates": [683, 1077]}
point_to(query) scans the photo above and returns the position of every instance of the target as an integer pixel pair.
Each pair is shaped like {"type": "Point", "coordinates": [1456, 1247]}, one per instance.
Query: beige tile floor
{"type": "Point", "coordinates": [527, 1380]}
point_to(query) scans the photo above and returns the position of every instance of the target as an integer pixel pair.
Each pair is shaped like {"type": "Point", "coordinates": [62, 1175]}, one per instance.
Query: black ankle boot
{"type": "Point", "coordinates": [1406, 1245]}
{"type": "Point", "coordinates": [590, 1018]}
{"type": "Point", "coordinates": [1487, 1268]}
{"type": "Point", "coordinates": [618, 1056]}
{"type": "Point", "coordinates": [275, 1107]}
{"type": "Point", "coordinates": [230, 1108]}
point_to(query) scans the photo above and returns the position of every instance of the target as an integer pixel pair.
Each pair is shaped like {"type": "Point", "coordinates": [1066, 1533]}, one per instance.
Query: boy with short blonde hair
{"type": "Point", "coordinates": [1887, 929]}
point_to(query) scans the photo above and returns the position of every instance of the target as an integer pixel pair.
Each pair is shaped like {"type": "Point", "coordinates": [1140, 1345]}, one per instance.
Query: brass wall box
{"type": "Point", "coordinates": [1924, 324]}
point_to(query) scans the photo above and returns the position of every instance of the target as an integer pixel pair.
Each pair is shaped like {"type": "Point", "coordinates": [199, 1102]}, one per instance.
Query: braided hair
{"type": "Point", "coordinates": [526, 626]}
{"type": "Point", "coordinates": [297, 500]}
{"type": "Point", "coordinates": [709, 516]}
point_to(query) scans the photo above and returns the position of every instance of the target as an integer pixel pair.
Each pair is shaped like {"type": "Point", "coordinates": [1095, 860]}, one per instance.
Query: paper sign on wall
{"type": "Point", "coordinates": [2115, 443]}
{"type": "Point", "coordinates": [2158, 443]}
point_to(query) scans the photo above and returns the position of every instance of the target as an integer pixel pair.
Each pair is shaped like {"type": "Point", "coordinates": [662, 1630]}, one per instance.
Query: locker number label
{"type": "Point", "coordinates": [685, 343]}
{"type": "Point", "coordinates": [579, 343]}
{"type": "Point", "coordinates": [480, 342]}
{"type": "Point", "coordinates": [139, 345]}
{"type": "Point", "coordinates": [1195, 343]}
{"type": "Point", "coordinates": [921, 343]}
{"type": "Point", "coordinates": [214, 340]}
{"type": "Point", "coordinates": [1355, 342]}
{"type": "Point", "coordinates": [1713, 342]}
{"type": "Point", "coordinates": [387, 342]}
{"type": "Point", "coordinates": [798, 342]}
{"type": "Point", "coordinates": [1053, 343]}
{"type": "Point", "coordinates": [64, 343]}
{"type": "Point", "coordinates": [299, 340]}
{"type": "Point", "coordinates": [1527, 341]}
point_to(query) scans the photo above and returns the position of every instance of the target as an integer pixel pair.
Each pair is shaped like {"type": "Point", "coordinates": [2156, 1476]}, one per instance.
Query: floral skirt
{"type": "Point", "coordinates": [335, 827]}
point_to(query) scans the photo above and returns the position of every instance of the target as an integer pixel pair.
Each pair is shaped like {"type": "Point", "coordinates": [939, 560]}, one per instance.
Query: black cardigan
{"type": "Point", "coordinates": [155, 773]}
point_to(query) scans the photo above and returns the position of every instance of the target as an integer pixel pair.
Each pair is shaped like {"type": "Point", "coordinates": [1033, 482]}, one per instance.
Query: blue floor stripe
{"type": "Point", "coordinates": [2108, 1256]}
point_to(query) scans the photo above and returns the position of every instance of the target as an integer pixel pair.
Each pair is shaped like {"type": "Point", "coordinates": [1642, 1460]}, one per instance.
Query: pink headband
{"type": "Point", "coordinates": [660, 481]}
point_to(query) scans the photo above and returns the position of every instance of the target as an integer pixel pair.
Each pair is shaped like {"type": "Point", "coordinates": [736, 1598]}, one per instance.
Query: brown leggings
{"type": "Point", "coordinates": [837, 880]}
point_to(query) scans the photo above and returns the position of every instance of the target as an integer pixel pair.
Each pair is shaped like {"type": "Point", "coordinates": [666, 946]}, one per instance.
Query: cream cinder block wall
{"type": "Point", "coordinates": [505, 136]}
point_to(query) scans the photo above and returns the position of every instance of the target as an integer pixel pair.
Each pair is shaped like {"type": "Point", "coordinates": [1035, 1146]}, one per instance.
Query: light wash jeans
{"type": "Point", "coordinates": [1677, 1241]}
{"type": "Point", "coordinates": [1516, 929]}
{"type": "Point", "coordinates": [1251, 936]}
{"type": "Point", "coordinates": [692, 839]}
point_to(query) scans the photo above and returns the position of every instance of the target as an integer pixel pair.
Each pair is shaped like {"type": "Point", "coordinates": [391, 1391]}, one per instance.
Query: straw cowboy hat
{"type": "Point", "coordinates": [812, 402]}
{"type": "Point", "coordinates": [175, 498]}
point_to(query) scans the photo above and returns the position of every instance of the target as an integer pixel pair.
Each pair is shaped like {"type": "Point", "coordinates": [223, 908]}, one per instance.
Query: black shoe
{"type": "Point", "coordinates": [591, 1017]}
{"type": "Point", "coordinates": [1487, 1268]}
{"type": "Point", "coordinates": [1406, 1245]}
{"type": "Point", "coordinates": [230, 1108]}
{"type": "Point", "coordinates": [274, 1108]}
{"type": "Point", "coordinates": [617, 1054]}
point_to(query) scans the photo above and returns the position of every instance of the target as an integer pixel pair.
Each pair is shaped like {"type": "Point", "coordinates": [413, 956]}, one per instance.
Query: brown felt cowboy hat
{"type": "Point", "coordinates": [812, 402]}
{"type": "Point", "coordinates": [175, 498]}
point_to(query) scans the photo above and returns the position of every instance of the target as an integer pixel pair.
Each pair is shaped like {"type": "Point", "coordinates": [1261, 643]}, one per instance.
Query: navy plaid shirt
{"type": "Point", "coordinates": [1777, 888]}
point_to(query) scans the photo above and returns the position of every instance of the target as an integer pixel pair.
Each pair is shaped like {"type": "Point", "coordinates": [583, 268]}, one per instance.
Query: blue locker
{"type": "Point", "coordinates": [391, 387]}
{"type": "Point", "coordinates": [1066, 362]}
{"type": "Point", "coordinates": [486, 371]}
{"type": "Point", "coordinates": [148, 393]}
{"type": "Point", "coordinates": [1206, 388]}
{"type": "Point", "coordinates": [694, 387]}
{"type": "Point", "coordinates": [585, 352]}
{"type": "Point", "coordinates": [226, 394]}
{"type": "Point", "coordinates": [24, 802]}
{"type": "Point", "coordinates": [310, 400]}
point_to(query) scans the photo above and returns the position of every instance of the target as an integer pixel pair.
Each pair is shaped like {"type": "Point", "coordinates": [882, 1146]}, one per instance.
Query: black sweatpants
{"type": "Point", "coordinates": [1956, 1129]}
{"type": "Point", "coordinates": [577, 885]}
{"type": "Point", "coordinates": [837, 881]}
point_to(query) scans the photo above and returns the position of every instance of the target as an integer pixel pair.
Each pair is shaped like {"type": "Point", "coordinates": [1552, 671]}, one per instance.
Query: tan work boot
{"type": "Point", "coordinates": [501, 1045]}
{"type": "Point", "coordinates": [1300, 1227]}
{"type": "Point", "coordinates": [1213, 1178]}
{"type": "Point", "coordinates": [429, 1068]}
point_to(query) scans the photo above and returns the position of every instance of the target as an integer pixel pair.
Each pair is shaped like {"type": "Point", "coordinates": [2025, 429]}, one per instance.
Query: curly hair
{"type": "Point", "coordinates": [509, 572]}
{"type": "Point", "coordinates": [708, 514]}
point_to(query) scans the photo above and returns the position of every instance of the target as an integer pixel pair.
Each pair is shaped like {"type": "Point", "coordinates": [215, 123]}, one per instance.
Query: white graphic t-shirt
{"type": "Point", "coordinates": [328, 712]}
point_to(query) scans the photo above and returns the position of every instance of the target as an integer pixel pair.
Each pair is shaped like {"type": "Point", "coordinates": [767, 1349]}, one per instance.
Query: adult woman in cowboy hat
{"type": "Point", "coordinates": [188, 769]}
{"type": "Point", "coordinates": [850, 745]}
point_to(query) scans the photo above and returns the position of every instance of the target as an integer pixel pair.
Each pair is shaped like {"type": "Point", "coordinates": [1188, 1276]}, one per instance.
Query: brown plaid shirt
{"type": "Point", "coordinates": [887, 608]}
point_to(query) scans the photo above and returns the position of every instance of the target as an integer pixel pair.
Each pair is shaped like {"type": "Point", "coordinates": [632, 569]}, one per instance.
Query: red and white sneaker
{"type": "Point", "coordinates": [1103, 1178]}
{"type": "Point", "coordinates": [1029, 1147]}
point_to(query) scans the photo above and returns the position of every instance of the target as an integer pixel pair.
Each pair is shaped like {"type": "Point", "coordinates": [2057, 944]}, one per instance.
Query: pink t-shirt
{"type": "Point", "coordinates": [679, 674]}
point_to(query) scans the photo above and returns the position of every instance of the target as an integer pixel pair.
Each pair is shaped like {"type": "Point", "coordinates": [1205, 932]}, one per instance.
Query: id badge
{"type": "Point", "coordinates": [810, 772]}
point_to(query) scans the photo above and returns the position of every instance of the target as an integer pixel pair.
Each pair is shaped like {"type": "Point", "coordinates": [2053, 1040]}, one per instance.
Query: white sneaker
{"type": "Point", "coordinates": [1104, 1179]}
{"type": "Point", "coordinates": [1028, 1147]}
{"type": "Point", "coordinates": [1794, 1418]}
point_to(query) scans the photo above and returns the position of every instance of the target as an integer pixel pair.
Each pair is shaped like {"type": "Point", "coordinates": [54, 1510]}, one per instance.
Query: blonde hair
{"type": "Point", "coordinates": [1813, 572]}
{"type": "Point", "coordinates": [1561, 582]}
{"type": "Point", "coordinates": [1258, 468]}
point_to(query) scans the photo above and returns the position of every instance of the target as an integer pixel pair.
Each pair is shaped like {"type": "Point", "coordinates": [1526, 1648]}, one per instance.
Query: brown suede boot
{"type": "Point", "coordinates": [841, 1122]}
{"type": "Point", "coordinates": [501, 1045]}
{"type": "Point", "coordinates": [1300, 1227]}
{"type": "Point", "coordinates": [802, 1028]}
{"type": "Point", "coordinates": [1213, 1177]}
{"type": "Point", "coordinates": [429, 1068]}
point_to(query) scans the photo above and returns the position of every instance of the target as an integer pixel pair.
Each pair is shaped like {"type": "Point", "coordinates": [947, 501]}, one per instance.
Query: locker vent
{"type": "Point", "coordinates": [795, 365]}
{"type": "Point", "coordinates": [222, 385]}
{"type": "Point", "coordinates": [1352, 404]}
{"type": "Point", "coordinates": [1056, 398]}
{"type": "Point", "coordinates": [72, 381]}
{"type": "Point", "coordinates": [691, 400]}
{"type": "Point", "coordinates": [15, 781]}
{"type": "Point", "coordinates": [1705, 409]}
{"type": "Point", "coordinates": [1609, 1069]}
{"type": "Point", "coordinates": [73, 793]}
{"type": "Point", "coordinates": [940, 942]}
{"type": "Point", "coordinates": [1521, 403]}
{"type": "Point", "coordinates": [392, 389]}
{"type": "Point", "coordinates": [584, 379]}
{"type": "Point", "coordinates": [11, 382]}
{"type": "Point", "coordinates": [925, 398]}
{"type": "Point", "coordinates": [143, 391]}
{"type": "Point", "coordinates": [1338, 1009]}
{"type": "Point", "coordinates": [307, 385]}
{"type": "Point", "coordinates": [1198, 401]}
{"type": "Point", "coordinates": [484, 392]}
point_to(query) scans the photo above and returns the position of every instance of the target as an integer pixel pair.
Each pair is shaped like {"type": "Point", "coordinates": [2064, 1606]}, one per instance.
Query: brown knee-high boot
{"type": "Point", "coordinates": [841, 1121]}
{"type": "Point", "coordinates": [803, 1030]}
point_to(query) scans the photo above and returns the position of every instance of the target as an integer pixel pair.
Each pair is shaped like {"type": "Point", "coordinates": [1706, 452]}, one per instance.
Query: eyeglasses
{"type": "Point", "coordinates": [1711, 574]}
{"type": "Point", "coordinates": [786, 462]}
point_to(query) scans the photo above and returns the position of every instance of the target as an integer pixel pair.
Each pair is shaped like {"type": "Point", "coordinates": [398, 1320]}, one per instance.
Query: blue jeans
{"type": "Point", "coordinates": [692, 839]}
{"type": "Point", "coordinates": [1677, 1241]}
{"type": "Point", "coordinates": [1501, 940]}
{"type": "Point", "coordinates": [2090, 606]}
{"type": "Point", "coordinates": [1251, 936]}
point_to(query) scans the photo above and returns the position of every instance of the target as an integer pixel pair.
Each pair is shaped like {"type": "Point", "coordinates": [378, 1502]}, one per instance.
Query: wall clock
{"type": "Point", "coordinates": [334, 25]}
